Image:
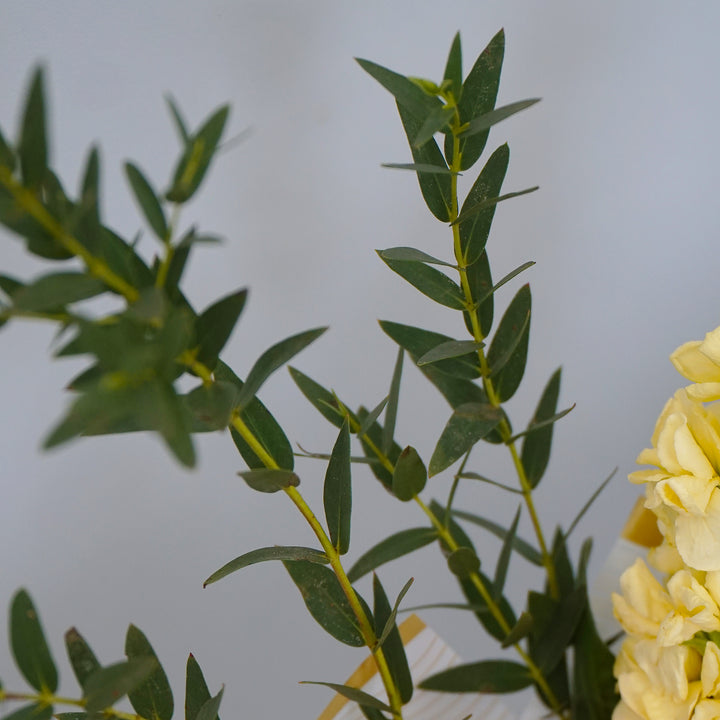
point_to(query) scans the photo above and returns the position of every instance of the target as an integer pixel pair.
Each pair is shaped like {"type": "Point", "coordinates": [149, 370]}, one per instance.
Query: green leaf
{"type": "Point", "coordinates": [421, 168]}
{"type": "Point", "coordinates": [487, 676]}
{"type": "Point", "coordinates": [323, 400]}
{"type": "Point", "coordinates": [430, 282]}
{"type": "Point", "coordinates": [453, 67]}
{"type": "Point", "coordinates": [418, 342]}
{"type": "Point", "coordinates": [274, 358]}
{"type": "Point", "coordinates": [148, 201]}
{"type": "Point", "coordinates": [514, 323]}
{"type": "Point", "coordinates": [337, 492]}
{"type": "Point", "coordinates": [209, 709]}
{"type": "Point", "coordinates": [351, 693]}
{"type": "Point", "coordinates": [504, 280]}
{"type": "Point", "coordinates": [389, 639]}
{"type": "Point", "coordinates": [180, 125]}
{"type": "Point", "coordinates": [371, 713]}
{"type": "Point", "coordinates": [519, 545]}
{"type": "Point", "coordinates": [436, 121]}
{"type": "Point", "coordinates": [467, 425]}
{"type": "Point", "coordinates": [408, 254]}
{"type": "Point", "coordinates": [561, 561]}
{"type": "Point", "coordinates": [589, 503]}
{"type": "Point", "coordinates": [583, 561]}
{"type": "Point", "coordinates": [535, 427]}
{"type": "Point", "coordinates": [450, 349]}
{"type": "Point", "coordinates": [326, 601]}
{"type": "Point", "coordinates": [482, 478]}
{"type": "Point", "coordinates": [33, 145]}
{"type": "Point", "coordinates": [463, 562]}
{"type": "Point", "coordinates": [270, 480]}
{"type": "Point", "coordinates": [82, 658]}
{"type": "Point", "coordinates": [410, 475]}
{"type": "Point", "coordinates": [503, 561]}
{"type": "Point", "coordinates": [491, 202]}
{"type": "Point", "coordinates": [393, 547]}
{"type": "Point", "coordinates": [276, 552]}
{"type": "Point", "coordinates": [479, 280]}
{"type": "Point", "coordinates": [523, 627]}
{"type": "Point", "coordinates": [107, 685]}
{"type": "Point", "coordinates": [29, 647]}
{"type": "Point", "coordinates": [199, 151]}
{"type": "Point", "coordinates": [196, 689]}
{"type": "Point", "coordinates": [535, 452]}
{"type": "Point", "coordinates": [152, 699]}
{"type": "Point", "coordinates": [263, 426]}
{"type": "Point", "coordinates": [371, 417]}
{"type": "Point", "coordinates": [7, 156]}
{"type": "Point", "coordinates": [211, 406]}
{"type": "Point", "coordinates": [382, 633]}
{"type": "Point", "coordinates": [10, 285]}
{"type": "Point", "coordinates": [486, 121]}
{"type": "Point", "coordinates": [86, 225]}
{"type": "Point", "coordinates": [436, 188]}
{"type": "Point", "coordinates": [36, 711]}
{"type": "Point", "coordinates": [455, 390]}
{"type": "Point", "coordinates": [474, 231]}
{"type": "Point", "coordinates": [215, 325]}
{"type": "Point", "coordinates": [388, 432]}
{"type": "Point", "coordinates": [57, 289]}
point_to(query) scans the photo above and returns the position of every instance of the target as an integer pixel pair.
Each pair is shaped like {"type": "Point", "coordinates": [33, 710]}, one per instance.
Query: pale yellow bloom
{"type": "Point", "coordinates": [710, 672]}
{"type": "Point", "coordinates": [707, 710]}
{"type": "Point", "coordinates": [694, 610]}
{"type": "Point", "coordinates": [699, 361]}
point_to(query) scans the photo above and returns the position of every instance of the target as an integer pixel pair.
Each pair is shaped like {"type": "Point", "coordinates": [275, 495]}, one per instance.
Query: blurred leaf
{"type": "Point", "coordinates": [351, 693]}
{"type": "Point", "coordinates": [523, 627]}
{"type": "Point", "coordinates": [263, 426]}
{"type": "Point", "coordinates": [503, 560]}
{"type": "Point", "coordinates": [33, 145]}
{"type": "Point", "coordinates": [371, 417]}
{"type": "Point", "coordinates": [555, 634]}
{"type": "Point", "coordinates": [7, 156]}
{"type": "Point", "coordinates": [480, 283]}
{"type": "Point", "coordinates": [86, 224]}
{"type": "Point", "coordinates": [269, 480]}
{"type": "Point", "coordinates": [148, 201]}
{"type": "Point", "coordinates": [57, 289]}
{"type": "Point", "coordinates": [467, 425]}
{"type": "Point", "coordinates": [430, 282]}
{"type": "Point", "coordinates": [209, 709]}
{"type": "Point", "coordinates": [486, 121]}
{"type": "Point", "coordinates": [561, 561]}
{"type": "Point", "coordinates": [152, 699]}
{"type": "Point", "coordinates": [386, 630]}
{"type": "Point", "coordinates": [10, 285]}
{"type": "Point", "coordinates": [514, 323]}
{"type": "Point", "coordinates": [179, 125]}
{"type": "Point", "coordinates": [36, 711]}
{"type": "Point", "coordinates": [518, 544]}
{"type": "Point", "coordinates": [29, 647]}
{"type": "Point", "coordinates": [408, 254]}
{"type": "Point", "coordinates": [535, 452]}
{"type": "Point", "coordinates": [274, 358]}
{"type": "Point", "coordinates": [215, 325]}
{"type": "Point", "coordinates": [82, 658]}
{"type": "Point", "coordinates": [326, 601]}
{"type": "Point", "coordinates": [583, 561]}
{"type": "Point", "coordinates": [421, 168]}
{"type": "Point", "coordinates": [589, 503]}
{"type": "Point", "coordinates": [196, 689]}
{"type": "Point", "coordinates": [450, 349]}
{"type": "Point", "coordinates": [436, 121]}
{"type": "Point", "coordinates": [463, 562]}
{"type": "Point", "coordinates": [393, 547]}
{"type": "Point", "coordinates": [195, 160]}
{"type": "Point", "coordinates": [487, 676]}
{"type": "Point", "coordinates": [276, 552]}
{"type": "Point", "coordinates": [107, 685]}
{"type": "Point", "coordinates": [475, 230]}
{"type": "Point", "coordinates": [392, 406]}
{"type": "Point", "coordinates": [453, 67]}
{"type": "Point", "coordinates": [410, 475]}
{"type": "Point", "coordinates": [371, 713]}
{"type": "Point", "coordinates": [211, 407]}
{"type": "Point", "coordinates": [337, 492]}
{"type": "Point", "coordinates": [322, 399]}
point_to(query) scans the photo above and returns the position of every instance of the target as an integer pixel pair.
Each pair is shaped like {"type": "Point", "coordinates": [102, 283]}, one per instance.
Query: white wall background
{"type": "Point", "coordinates": [624, 230]}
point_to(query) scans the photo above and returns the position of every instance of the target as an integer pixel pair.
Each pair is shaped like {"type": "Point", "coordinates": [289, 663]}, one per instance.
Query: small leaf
{"type": "Point", "coordinates": [337, 492]}
{"type": "Point", "coordinates": [152, 699]}
{"type": "Point", "coordinates": [453, 67]}
{"type": "Point", "coordinates": [36, 711]}
{"type": "Point", "coordinates": [486, 121]}
{"type": "Point", "coordinates": [147, 200]}
{"type": "Point", "coordinates": [269, 480]}
{"type": "Point", "coordinates": [57, 289]}
{"type": "Point", "coordinates": [463, 562]}
{"type": "Point", "coordinates": [450, 349]}
{"type": "Point", "coordinates": [215, 325]}
{"type": "Point", "coordinates": [274, 358]}
{"type": "Point", "coordinates": [276, 552]}
{"type": "Point", "coordinates": [504, 558]}
{"type": "Point", "coordinates": [322, 399]}
{"type": "Point", "coordinates": [7, 156]}
{"type": "Point", "coordinates": [393, 547]}
{"type": "Point", "coordinates": [371, 417]}
{"type": "Point", "coordinates": [82, 658]}
{"type": "Point", "coordinates": [410, 475]}
{"type": "Point", "coordinates": [29, 647]}
{"type": "Point", "coordinates": [390, 622]}
{"type": "Point", "coordinates": [209, 709]}
{"type": "Point", "coordinates": [491, 202]}
{"type": "Point", "coordinates": [523, 627]}
{"type": "Point", "coordinates": [534, 427]}
{"type": "Point", "coordinates": [179, 122]}
{"type": "Point", "coordinates": [467, 425]}
{"type": "Point", "coordinates": [589, 503]}
{"type": "Point", "coordinates": [107, 685]}
{"type": "Point", "coordinates": [479, 280]}
{"type": "Point", "coordinates": [196, 689]}
{"type": "Point", "coordinates": [436, 121]}
{"type": "Point", "coordinates": [509, 350]}
{"type": "Point", "coordinates": [392, 406]}
{"type": "Point", "coordinates": [351, 693]}
{"type": "Point", "coordinates": [211, 406]}
{"type": "Point", "coordinates": [505, 280]}
{"type": "Point", "coordinates": [33, 145]}
{"type": "Point", "coordinates": [487, 676]}
{"type": "Point", "coordinates": [326, 601]}
{"type": "Point", "coordinates": [408, 254]}
{"type": "Point", "coordinates": [421, 168]}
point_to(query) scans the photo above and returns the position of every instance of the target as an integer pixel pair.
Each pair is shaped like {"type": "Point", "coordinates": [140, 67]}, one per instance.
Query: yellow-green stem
{"type": "Point", "coordinates": [47, 699]}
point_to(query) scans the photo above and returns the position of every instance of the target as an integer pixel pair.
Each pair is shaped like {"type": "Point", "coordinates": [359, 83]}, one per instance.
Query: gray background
{"type": "Point", "coordinates": [110, 531]}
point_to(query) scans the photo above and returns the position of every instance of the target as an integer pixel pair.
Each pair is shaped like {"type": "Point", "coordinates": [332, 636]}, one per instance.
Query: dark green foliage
{"type": "Point", "coordinates": [410, 475]}
{"type": "Point", "coordinates": [215, 325]}
{"type": "Point", "coordinates": [351, 693]}
{"type": "Point", "coordinates": [153, 698]}
{"type": "Point", "coordinates": [270, 480]}
{"type": "Point", "coordinates": [148, 200]}
{"type": "Point", "coordinates": [196, 689]}
{"type": "Point", "coordinates": [33, 144]}
{"type": "Point", "coordinates": [487, 676]}
{"type": "Point", "coordinates": [337, 492]}
{"type": "Point", "coordinates": [82, 658]}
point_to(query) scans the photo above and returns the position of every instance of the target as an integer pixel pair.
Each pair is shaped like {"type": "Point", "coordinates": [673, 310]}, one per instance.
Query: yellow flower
{"type": "Point", "coordinates": [699, 361]}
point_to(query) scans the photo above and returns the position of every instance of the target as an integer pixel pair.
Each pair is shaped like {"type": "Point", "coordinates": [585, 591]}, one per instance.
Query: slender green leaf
{"type": "Point", "coordinates": [523, 627]}
{"type": "Point", "coordinates": [392, 406]}
{"type": "Point", "coordinates": [487, 676]}
{"type": "Point", "coordinates": [390, 622]}
{"type": "Point", "coordinates": [276, 552]}
{"type": "Point", "coordinates": [482, 478]}
{"type": "Point", "coordinates": [371, 441]}
{"type": "Point", "coordinates": [10, 285]}
{"type": "Point", "coordinates": [33, 144]}
{"type": "Point", "coordinates": [408, 254]}
{"type": "Point", "coordinates": [535, 452]}
{"type": "Point", "coordinates": [450, 349]}
{"type": "Point", "coordinates": [274, 358]}
{"type": "Point", "coordinates": [463, 562]}
{"type": "Point", "coordinates": [453, 67]}
{"type": "Point", "coordinates": [386, 630]}
{"type": "Point", "coordinates": [29, 647]}
{"type": "Point", "coordinates": [36, 711]}
{"type": "Point", "coordinates": [180, 125]}
{"type": "Point", "coordinates": [500, 361]}
{"type": "Point", "coordinates": [467, 425]}
{"type": "Point", "coordinates": [86, 222]}
{"type": "Point", "coordinates": [211, 406]}
{"type": "Point", "coordinates": [148, 200]}
{"type": "Point", "coordinates": [269, 480]}
{"type": "Point", "coordinates": [503, 560]}
{"type": "Point", "coordinates": [57, 289]}
{"type": "Point", "coordinates": [436, 121]}
{"type": "Point", "coordinates": [323, 400]}
{"type": "Point", "coordinates": [506, 279]}
{"type": "Point", "coordinates": [215, 325]}
{"type": "Point", "coordinates": [561, 560]}
{"type": "Point", "coordinates": [82, 658]}
{"type": "Point", "coordinates": [209, 709]}
{"type": "Point", "coordinates": [519, 545]}
{"type": "Point", "coordinates": [410, 475]}
{"type": "Point", "coordinates": [326, 601]}
{"type": "Point", "coordinates": [421, 168]}
{"type": "Point", "coordinates": [484, 122]}
{"type": "Point", "coordinates": [337, 492]}
{"type": "Point", "coordinates": [583, 561]}
{"type": "Point", "coordinates": [371, 713]}
{"type": "Point", "coordinates": [589, 503]}
{"type": "Point", "coordinates": [196, 689]}
{"type": "Point", "coordinates": [391, 548]}
{"type": "Point", "coordinates": [491, 202]}
{"type": "Point", "coordinates": [351, 693]}
{"type": "Point", "coordinates": [479, 280]}
{"type": "Point", "coordinates": [372, 417]}
{"type": "Point", "coordinates": [7, 156]}
{"type": "Point", "coordinates": [535, 427]}
{"type": "Point", "coordinates": [153, 698]}
{"type": "Point", "coordinates": [107, 685]}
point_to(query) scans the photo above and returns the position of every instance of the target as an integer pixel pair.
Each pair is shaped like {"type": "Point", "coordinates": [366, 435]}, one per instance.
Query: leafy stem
{"type": "Point", "coordinates": [46, 699]}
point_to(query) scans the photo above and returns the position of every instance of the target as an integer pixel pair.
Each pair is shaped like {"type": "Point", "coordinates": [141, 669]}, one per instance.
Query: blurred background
{"type": "Point", "coordinates": [104, 532]}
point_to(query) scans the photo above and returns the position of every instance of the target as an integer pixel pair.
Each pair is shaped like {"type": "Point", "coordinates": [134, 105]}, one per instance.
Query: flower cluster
{"type": "Point", "coordinates": [668, 667]}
